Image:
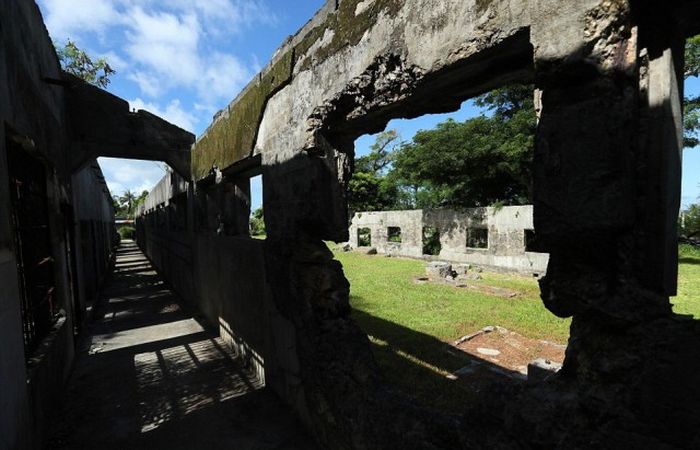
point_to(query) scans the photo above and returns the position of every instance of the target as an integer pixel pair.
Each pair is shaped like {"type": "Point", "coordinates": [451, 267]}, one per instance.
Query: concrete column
{"type": "Point", "coordinates": [661, 145]}
{"type": "Point", "coordinates": [584, 177]}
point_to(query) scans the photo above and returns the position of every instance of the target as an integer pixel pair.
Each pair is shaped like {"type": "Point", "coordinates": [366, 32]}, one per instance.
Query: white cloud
{"type": "Point", "coordinates": [68, 17]}
{"type": "Point", "coordinates": [115, 61]}
{"type": "Point", "coordinates": [165, 43]}
{"type": "Point", "coordinates": [223, 77]}
{"type": "Point", "coordinates": [148, 84]}
{"type": "Point", "coordinates": [134, 175]}
{"type": "Point", "coordinates": [168, 48]}
{"type": "Point", "coordinates": [173, 112]}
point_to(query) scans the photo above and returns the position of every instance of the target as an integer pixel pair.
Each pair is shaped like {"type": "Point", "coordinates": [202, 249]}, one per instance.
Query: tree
{"type": "Point", "coordinates": [369, 188]}
{"type": "Point", "coordinates": [689, 222]}
{"type": "Point", "coordinates": [75, 61]}
{"type": "Point", "coordinates": [478, 162]}
{"type": "Point", "coordinates": [691, 105]}
{"type": "Point", "coordinates": [127, 200]}
{"type": "Point", "coordinates": [257, 222]}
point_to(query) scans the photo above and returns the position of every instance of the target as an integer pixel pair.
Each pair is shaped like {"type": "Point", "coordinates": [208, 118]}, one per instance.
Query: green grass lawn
{"type": "Point", "coordinates": [409, 324]}
{"type": "Point", "coordinates": [688, 299]}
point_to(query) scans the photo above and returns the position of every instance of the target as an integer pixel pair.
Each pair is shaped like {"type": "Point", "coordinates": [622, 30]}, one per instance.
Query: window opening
{"type": "Point", "coordinates": [431, 241]}
{"type": "Point", "coordinates": [394, 234]}
{"type": "Point", "coordinates": [478, 238]}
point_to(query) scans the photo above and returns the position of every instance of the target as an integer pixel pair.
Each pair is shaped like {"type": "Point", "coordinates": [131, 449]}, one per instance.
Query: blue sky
{"type": "Point", "coordinates": [186, 59]}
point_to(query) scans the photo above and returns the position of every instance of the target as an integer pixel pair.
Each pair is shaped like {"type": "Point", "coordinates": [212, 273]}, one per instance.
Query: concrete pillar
{"type": "Point", "coordinates": [584, 177]}
{"type": "Point", "coordinates": [661, 152]}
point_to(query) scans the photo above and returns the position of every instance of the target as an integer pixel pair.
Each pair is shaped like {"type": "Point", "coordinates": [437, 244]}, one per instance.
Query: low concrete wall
{"type": "Point", "coordinates": [232, 293]}
{"type": "Point", "coordinates": [506, 249]}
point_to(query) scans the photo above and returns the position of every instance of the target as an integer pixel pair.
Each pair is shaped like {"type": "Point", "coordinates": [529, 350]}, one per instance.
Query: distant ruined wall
{"type": "Point", "coordinates": [504, 230]}
{"type": "Point", "coordinates": [606, 194]}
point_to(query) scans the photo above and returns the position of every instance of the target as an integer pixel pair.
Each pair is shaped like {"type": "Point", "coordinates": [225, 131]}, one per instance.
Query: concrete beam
{"type": "Point", "coordinates": [103, 125]}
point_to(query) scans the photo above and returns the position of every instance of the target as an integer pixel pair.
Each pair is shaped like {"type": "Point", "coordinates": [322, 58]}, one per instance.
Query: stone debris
{"type": "Point", "coordinates": [469, 337]}
{"type": "Point", "coordinates": [488, 351]}
{"type": "Point", "coordinates": [438, 270]}
{"type": "Point", "coordinates": [370, 251]}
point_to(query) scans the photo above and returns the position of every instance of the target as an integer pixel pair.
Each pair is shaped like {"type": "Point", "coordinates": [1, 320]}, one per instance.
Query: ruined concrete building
{"type": "Point", "coordinates": [608, 75]}
{"type": "Point", "coordinates": [497, 238]}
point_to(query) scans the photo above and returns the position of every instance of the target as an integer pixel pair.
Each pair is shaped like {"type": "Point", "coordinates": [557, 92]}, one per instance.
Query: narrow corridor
{"type": "Point", "coordinates": [152, 376]}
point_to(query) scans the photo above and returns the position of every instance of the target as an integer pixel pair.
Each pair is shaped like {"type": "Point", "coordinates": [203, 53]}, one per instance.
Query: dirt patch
{"type": "Point", "coordinates": [497, 354]}
{"type": "Point", "coordinates": [514, 350]}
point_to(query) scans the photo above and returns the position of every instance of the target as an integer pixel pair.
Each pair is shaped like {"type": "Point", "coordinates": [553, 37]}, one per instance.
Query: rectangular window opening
{"type": "Point", "coordinates": [394, 234]}
{"type": "Point", "coordinates": [256, 224]}
{"type": "Point", "coordinates": [364, 237]}
{"type": "Point", "coordinates": [431, 241]}
{"type": "Point", "coordinates": [478, 238]}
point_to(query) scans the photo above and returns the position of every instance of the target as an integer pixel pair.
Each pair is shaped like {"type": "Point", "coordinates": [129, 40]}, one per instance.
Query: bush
{"type": "Point", "coordinates": [257, 223]}
{"type": "Point", "coordinates": [127, 232]}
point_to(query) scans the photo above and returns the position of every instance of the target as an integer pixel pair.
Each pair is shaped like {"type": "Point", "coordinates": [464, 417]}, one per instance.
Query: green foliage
{"type": "Point", "coordinates": [691, 105]}
{"type": "Point", "coordinates": [75, 61]}
{"type": "Point", "coordinates": [369, 188]}
{"type": "Point", "coordinates": [687, 251]}
{"type": "Point", "coordinates": [126, 204]}
{"type": "Point", "coordinates": [691, 122]}
{"type": "Point", "coordinates": [257, 223]}
{"type": "Point", "coordinates": [692, 57]}
{"type": "Point", "coordinates": [127, 232]}
{"type": "Point", "coordinates": [689, 222]}
{"type": "Point", "coordinates": [364, 237]}
{"type": "Point", "coordinates": [431, 241]}
{"type": "Point", "coordinates": [477, 162]}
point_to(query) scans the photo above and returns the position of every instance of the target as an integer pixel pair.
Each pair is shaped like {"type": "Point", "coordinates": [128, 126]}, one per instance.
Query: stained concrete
{"type": "Point", "coordinates": [152, 375]}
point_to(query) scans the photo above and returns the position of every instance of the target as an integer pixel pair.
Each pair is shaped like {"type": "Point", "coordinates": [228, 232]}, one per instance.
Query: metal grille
{"type": "Point", "coordinates": [35, 265]}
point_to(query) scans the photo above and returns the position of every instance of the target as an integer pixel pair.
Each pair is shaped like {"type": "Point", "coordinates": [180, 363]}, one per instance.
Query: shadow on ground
{"type": "Point", "coordinates": [151, 376]}
{"type": "Point", "coordinates": [430, 370]}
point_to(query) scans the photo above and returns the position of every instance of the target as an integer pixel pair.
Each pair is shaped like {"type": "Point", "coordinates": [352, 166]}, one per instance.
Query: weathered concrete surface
{"type": "Point", "coordinates": [103, 125]}
{"type": "Point", "coordinates": [506, 227]}
{"type": "Point", "coordinates": [608, 86]}
{"type": "Point", "coordinates": [152, 376]}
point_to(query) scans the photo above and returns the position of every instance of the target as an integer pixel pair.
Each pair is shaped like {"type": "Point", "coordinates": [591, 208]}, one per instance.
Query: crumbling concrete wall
{"type": "Point", "coordinates": [506, 241]}
{"type": "Point", "coordinates": [608, 77]}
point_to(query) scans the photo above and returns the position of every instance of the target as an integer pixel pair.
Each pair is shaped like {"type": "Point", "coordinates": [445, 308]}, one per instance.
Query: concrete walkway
{"type": "Point", "coordinates": [150, 376]}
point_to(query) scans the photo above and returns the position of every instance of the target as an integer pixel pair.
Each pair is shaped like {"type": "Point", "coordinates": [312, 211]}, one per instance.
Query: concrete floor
{"type": "Point", "coordinates": [151, 376]}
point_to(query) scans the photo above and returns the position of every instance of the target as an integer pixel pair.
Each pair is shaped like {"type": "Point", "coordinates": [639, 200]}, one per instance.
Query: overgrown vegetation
{"type": "Point", "coordinates": [127, 232]}
{"type": "Point", "coordinates": [689, 222]}
{"type": "Point", "coordinates": [257, 223]}
{"type": "Point", "coordinates": [75, 61]}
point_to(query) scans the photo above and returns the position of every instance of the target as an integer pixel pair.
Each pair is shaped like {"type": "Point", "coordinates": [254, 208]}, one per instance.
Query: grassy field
{"type": "Point", "coordinates": [409, 323]}
{"type": "Point", "coordinates": [688, 299]}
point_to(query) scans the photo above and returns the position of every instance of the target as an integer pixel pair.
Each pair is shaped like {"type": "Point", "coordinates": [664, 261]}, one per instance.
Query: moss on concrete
{"type": "Point", "coordinates": [347, 28]}
{"type": "Point", "coordinates": [232, 138]}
